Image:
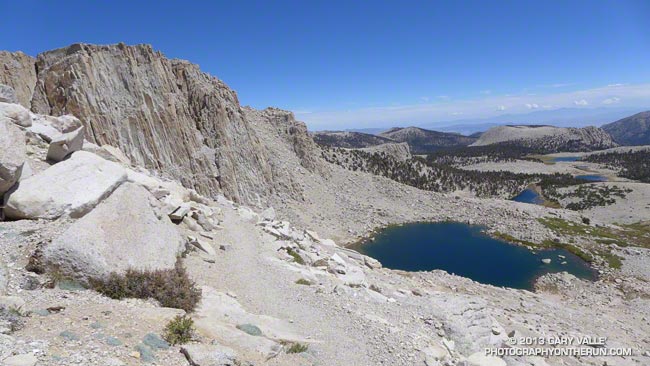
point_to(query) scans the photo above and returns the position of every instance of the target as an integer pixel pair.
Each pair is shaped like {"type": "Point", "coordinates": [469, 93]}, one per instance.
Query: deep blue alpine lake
{"type": "Point", "coordinates": [529, 196]}
{"type": "Point", "coordinates": [592, 178]}
{"type": "Point", "coordinates": [466, 251]}
{"type": "Point", "coordinates": [565, 158]}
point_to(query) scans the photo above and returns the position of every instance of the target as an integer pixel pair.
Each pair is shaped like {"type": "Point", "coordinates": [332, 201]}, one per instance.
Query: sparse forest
{"type": "Point", "coordinates": [433, 175]}
{"type": "Point", "coordinates": [632, 164]}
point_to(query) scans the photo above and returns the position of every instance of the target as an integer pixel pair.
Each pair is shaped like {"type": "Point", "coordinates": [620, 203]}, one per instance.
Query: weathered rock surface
{"type": "Point", "coordinates": [15, 113]}
{"type": "Point", "coordinates": [71, 187]}
{"type": "Point", "coordinates": [7, 94]}
{"type": "Point", "coordinates": [12, 155]}
{"type": "Point", "coordinates": [18, 71]}
{"type": "Point", "coordinates": [122, 232]}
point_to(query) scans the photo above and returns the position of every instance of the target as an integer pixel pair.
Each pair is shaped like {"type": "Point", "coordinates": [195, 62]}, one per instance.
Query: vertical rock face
{"type": "Point", "coordinates": [164, 114]}
{"type": "Point", "coordinates": [169, 116]}
{"type": "Point", "coordinates": [17, 71]}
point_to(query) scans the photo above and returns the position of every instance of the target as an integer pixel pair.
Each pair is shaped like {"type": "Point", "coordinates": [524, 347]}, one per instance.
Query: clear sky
{"type": "Point", "coordinates": [344, 64]}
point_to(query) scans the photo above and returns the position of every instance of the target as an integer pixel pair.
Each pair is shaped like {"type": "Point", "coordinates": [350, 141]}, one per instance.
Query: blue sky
{"type": "Point", "coordinates": [343, 64]}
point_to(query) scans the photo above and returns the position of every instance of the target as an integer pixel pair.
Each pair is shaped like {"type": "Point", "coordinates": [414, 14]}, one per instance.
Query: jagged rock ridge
{"type": "Point", "coordinates": [163, 114]}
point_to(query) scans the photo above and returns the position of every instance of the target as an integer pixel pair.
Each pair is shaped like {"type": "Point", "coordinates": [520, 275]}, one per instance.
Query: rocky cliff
{"type": "Point", "coordinates": [163, 114]}
{"type": "Point", "coordinates": [548, 138]}
{"type": "Point", "coordinates": [633, 130]}
{"type": "Point", "coordinates": [19, 72]}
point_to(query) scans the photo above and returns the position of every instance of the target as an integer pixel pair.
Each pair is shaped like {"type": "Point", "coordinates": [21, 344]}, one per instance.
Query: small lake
{"type": "Point", "coordinates": [560, 159]}
{"type": "Point", "coordinates": [466, 251]}
{"type": "Point", "coordinates": [592, 178]}
{"type": "Point", "coordinates": [529, 195]}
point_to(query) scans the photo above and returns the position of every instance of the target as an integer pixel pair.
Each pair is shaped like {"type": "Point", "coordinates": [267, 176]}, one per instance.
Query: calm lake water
{"type": "Point", "coordinates": [592, 178]}
{"type": "Point", "coordinates": [465, 251]}
{"type": "Point", "coordinates": [565, 158]}
{"type": "Point", "coordinates": [529, 196]}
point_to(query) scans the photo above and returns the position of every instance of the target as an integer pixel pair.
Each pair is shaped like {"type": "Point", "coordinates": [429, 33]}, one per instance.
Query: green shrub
{"type": "Point", "coordinates": [303, 281]}
{"type": "Point", "coordinates": [179, 330]}
{"type": "Point", "coordinates": [296, 257]}
{"type": "Point", "coordinates": [297, 348]}
{"type": "Point", "coordinates": [172, 288]}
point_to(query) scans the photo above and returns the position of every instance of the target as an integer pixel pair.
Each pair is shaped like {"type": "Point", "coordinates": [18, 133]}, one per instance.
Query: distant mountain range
{"type": "Point", "coordinates": [348, 139]}
{"type": "Point", "coordinates": [419, 140]}
{"type": "Point", "coordinates": [633, 130]}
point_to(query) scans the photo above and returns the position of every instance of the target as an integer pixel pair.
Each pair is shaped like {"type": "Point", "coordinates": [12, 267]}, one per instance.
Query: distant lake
{"type": "Point", "coordinates": [465, 251]}
{"type": "Point", "coordinates": [529, 196]}
{"type": "Point", "coordinates": [565, 158]}
{"type": "Point", "coordinates": [592, 178]}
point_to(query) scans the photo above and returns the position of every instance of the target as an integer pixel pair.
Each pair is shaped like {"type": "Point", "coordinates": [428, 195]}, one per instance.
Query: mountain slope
{"type": "Point", "coordinates": [348, 139]}
{"type": "Point", "coordinates": [424, 141]}
{"type": "Point", "coordinates": [548, 138]}
{"type": "Point", "coordinates": [633, 130]}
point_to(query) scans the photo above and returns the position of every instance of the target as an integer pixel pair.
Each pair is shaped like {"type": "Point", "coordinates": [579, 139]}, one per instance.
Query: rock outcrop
{"type": "Point", "coordinates": [12, 155]}
{"type": "Point", "coordinates": [18, 71]}
{"type": "Point", "coordinates": [548, 138]}
{"type": "Point", "coordinates": [123, 232]}
{"type": "Point", "coordinates": [72, 187]}
{"type": "Point", "coordinates": [163, 114]}
{"type": "Point", "coordinates": [396, 151]}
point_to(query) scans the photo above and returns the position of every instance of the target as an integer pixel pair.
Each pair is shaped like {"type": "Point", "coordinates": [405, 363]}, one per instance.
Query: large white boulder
{"type": "Point", "coordinates": [72, 187]}
{"type": "Point", "coordinates": [124, 231]}
{"type": "Point", "coordinates": [12, 155]}
{"type": "Point", "coordinates": [44, 131]}
{"type": "Point", "coordinates": [15, 113]}
{"type": "Point", "coordinates": [64, 145]}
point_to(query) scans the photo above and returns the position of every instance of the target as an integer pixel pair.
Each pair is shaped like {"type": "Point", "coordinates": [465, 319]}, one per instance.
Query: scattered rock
{"type": "Point", "coordinates": [546, 261]}
{"type": "Point", "coordinates": [145, 353]}
{"type": "Point", "coordinates": [208, 355]}
{"type": "Point", "coordinates": [250, 329]}
{"type": "Point", "coordinates": [154, 341]}
{"type": "Point", "coordinates": [69, 335]}
{"type": "Point", "coordinates": [27, 359]}
{"type": "Point", "coordinates": [62, 146]}
{"type": "Point", "coordinates": [179, 213]}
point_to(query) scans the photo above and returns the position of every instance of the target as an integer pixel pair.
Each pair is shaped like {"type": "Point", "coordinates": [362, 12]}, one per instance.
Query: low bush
{"type": "Point", "coordinates": [179, 330]}
{"type": "Point", "coordinates": [297, 348]}
{"type": "Point", "coordinates": [172, 288]}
